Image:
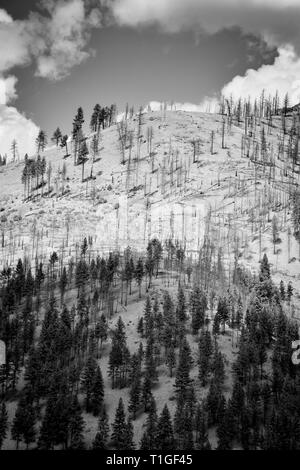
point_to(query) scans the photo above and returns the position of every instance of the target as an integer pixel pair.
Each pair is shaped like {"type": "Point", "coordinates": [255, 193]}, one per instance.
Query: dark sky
{"type": "Point", "coordinates": [133, 64]}
{"type": "Point", "coordinates": [19, 9]}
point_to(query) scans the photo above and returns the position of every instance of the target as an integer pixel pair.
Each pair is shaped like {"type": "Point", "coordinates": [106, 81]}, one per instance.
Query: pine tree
{"type": "Point", "coordinates": [286, 103]}
{"type": "Point", "coordinates": [55, 423]}
{"type": "Point", "coordinates": [289, 291]}
{"type": "Point", "coordinates": [238, 400]}
{"type": "Point", "coordinates": [171, 358]}
{"type": "Point", "coordinates": [198, 305]}
{"type": "Point", "coordinates": [216, 325]}
{"type": "Point", "coordinates": [165, 436]}
{"type": "Point", "coordinates": [63, 283]}
{"type": "Point", "coordinates": [135, 393]}
{"type": "Point", "coordinates": [146, 392]}
{"type": "Point", "coordinates": [119, 356]}
{"type": "Point", "coordinates": [64, 143]}
{"type": "Point", "coordinates": [222, 312]}
{"type": "Point", "coordinates": [282, 290]}
{"type": "Point", "coordinates": [213, 402]}
{"type": "Point", "coordinates": [78, 122]}
{"type": "Point", "coordinates": [97, 393]}
{"type": "Point", "coordinates": [224, 430]}
{"type": "Point", "coordinates": [84, 247]}
{"type": "Point", "coordinates": [139, 274]}
{"type": "Point", "coordinates": [119, 428]}
{"type": "Point", "coordinates": [218, 368]}
{"type": "Point", "coordinates": [140, 327]}
{"type": "Point", "coordinates": [88, 382]}
{"type": "Point", "coordinates": [151, 366]}
{"type": "Point", "coordinates": [149, 438]}
{"type": "Point", "coordinates": [101, 330]}
{"type": "Point", "coordinates": [184, 433]}
{"type": "Point", "coordinates": [181, 306]}
{"type": "Point", "coordinates": [101, 438]}
{"type": "Point", "coordinates": [48, 431]}
{"type": "Point", "coordinates": [40, 276]}
{"type": "Point", "coordinates": [41, 141]}
{"type": "Point", "coordinates": [29, 431]}
{"type": "Point", "coordinates": [65, 336]}
{"type": "Point", "coordinates": [23, 428]}
{"type": "Point", "coordinates": [148, 319]}
{"type": "Point", "coordinates": [129, 444]}
{"type": "Point", "coordinates": [57, 136]}
{"type": "Point", "coordinates": [205, 352]}
{"type": "Point", "coordinates": [76, 426]}
{"type": "Point", "coordinates": [264, 268]}
{"type": "Point", "coordinates": [183, 382]}
{"type": "Point", "coordinates": [201, 426]}
{"type": "Point", "coordinates": [82, 156]}
{"type": "Point", "coordinates": [29, 283]}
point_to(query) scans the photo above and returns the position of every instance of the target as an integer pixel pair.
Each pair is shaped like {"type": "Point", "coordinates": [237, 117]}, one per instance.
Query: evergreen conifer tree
{"type": "Point", "coordinates": [101, 438]}
{"type": "Point", "coordinates": [120, 429]}
{"type": "Point", "coordinates": [97, 393]}
{"type": "Point", "coordinates": [165, 435]}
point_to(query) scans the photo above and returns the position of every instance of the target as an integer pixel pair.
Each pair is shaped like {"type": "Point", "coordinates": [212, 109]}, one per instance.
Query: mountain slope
{"type": "Point", "coordinates": [177, 189]}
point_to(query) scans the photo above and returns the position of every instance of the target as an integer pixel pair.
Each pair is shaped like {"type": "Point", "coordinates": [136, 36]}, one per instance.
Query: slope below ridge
{"type": "Point", "coordinates": [174, 180]}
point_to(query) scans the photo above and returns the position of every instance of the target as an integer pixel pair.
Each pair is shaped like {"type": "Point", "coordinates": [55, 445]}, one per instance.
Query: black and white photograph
{"type": "Point", "coordinates": [149, 227]}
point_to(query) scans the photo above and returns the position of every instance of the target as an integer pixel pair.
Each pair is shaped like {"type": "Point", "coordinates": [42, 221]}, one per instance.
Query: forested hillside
{"type": "Point", "coordinates": [150, 283]}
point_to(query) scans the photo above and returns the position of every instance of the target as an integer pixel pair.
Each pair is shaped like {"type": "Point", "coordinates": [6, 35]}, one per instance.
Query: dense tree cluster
{"type": "Point", "coordinates": [59, 346]}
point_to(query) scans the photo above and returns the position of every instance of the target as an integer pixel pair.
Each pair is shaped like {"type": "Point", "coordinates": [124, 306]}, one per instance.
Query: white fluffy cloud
{"type": "Point", "coordinates": [13, 125]}
{"type": "Point", "coordinates": [68, 34]}
{"type": "Point", "coordinates": [7, 89]}
{"type": "Point", "coordinates": [5, 17]}
{"type": "Point", "coordinates": [14, 42]}
{"type": "Point", "coordinates": [283, 77]}
{"type": "Point", "coordinates": [276, 19]}
{"type": "Point", "coordinates": [55, 41]}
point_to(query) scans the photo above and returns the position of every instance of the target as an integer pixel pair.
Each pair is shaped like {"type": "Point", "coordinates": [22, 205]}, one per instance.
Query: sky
{"type": "Point", "coordinates": [58, 55]}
